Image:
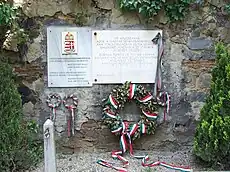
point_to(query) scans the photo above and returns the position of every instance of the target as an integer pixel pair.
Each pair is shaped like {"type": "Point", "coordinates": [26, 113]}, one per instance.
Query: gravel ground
{"type": "Point", "coordinates": [86, 162]}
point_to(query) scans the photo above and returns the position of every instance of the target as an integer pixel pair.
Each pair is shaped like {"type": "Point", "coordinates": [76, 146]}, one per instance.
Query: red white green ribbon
{"type": "Point", "coordinates": [133, 129]}
{"type": "Point", "coordinates": [150, 115]}
{"type": "Point", "coordinates": [71, 107]}
{"type": "Point", "coordinates": [110, 114]}
{"type": "Point", "coordinates": [143, 128]}
{"type": "Point", "coordinates": [126, 131]}
{"type": "Point", "coordinates": [74, 99]}
{"type": "Point", "coordinates": [53, 105]}
{"type": "Point", "coordinates": [158, 81]}
{"type": "Point", "coordinates": [146, 98]}
{"type": "Point", "coordinates": [113, 101]}
{"type": "Point", "coordinates": [165, 102]}
{"type": "Point", "coordinates": [111, 165]}
{"type": "Point", "coordinates": [126, 134]}
{"type": "Point", "coordinates": [132, 90]}
{"type": "Point", "coordinates": [169, 166]}
{"type": "Point", "coordinates": [118, 155]}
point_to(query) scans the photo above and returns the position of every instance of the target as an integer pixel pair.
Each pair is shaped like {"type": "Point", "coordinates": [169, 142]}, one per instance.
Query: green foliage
{"type": "Point", "coordinates": [212, 135]}
{"type": "Point", "coordinates": [175, 9]}
{"type": "Point", "coordinates": [18, 148]}
{"type": "Point", "coordinates": [227, 8]}
{"type": "Point", "coordinates": [7, 14]}
{"type": "Point", "coordinates": [9, 24]}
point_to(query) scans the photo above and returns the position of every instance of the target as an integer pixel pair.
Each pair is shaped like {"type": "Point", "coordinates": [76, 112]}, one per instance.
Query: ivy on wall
{"type": "Point", "coordinates": [9, 24]}
{"type": "Point", "coordinates": [175, 9]}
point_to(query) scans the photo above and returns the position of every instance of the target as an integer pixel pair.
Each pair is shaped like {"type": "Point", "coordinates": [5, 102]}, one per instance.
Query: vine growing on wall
{"type": "Point", "coordinates": [9, 24]}
{"type": "Point", "coordinates": [175, 9]}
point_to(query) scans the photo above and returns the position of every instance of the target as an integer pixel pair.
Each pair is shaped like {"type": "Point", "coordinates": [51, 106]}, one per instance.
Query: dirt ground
{"type": "Point", "coordinates": [86, 162]}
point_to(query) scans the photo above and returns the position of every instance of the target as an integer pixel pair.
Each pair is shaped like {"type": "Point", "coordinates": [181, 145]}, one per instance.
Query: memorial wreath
{"type": "Point", "coordinates": [116, 102]}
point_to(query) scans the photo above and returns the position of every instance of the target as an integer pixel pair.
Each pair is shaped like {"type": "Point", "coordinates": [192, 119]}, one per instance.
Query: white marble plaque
{"type": "Point", "coordinates": [124, 55]}
{"type": "Point", "coordinates": [71, 68]}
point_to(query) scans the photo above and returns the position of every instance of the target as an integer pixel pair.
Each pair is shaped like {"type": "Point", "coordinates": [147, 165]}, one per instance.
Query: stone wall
{"type": "Point", "coordinates": [188, 58]}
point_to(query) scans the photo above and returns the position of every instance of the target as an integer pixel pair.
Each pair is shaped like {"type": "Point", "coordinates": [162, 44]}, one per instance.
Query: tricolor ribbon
{"type": "Point", "coordinates": [146, 98]}
{"type": "Point", "coordinates": [170, 166]}
{"type": "Point", "coordinates": [133, 129]}
{"type": "Point", "coordinates": [127, 132]}
{"type": "Point", "coordinates": [111, 165]}
{"type": "Point", "coordinates": [158, 81]}
{"type": "Point", "coordinates": [132, 90]}
{"type": "Point", "coordinates": [71, 110]}
{"type": "Point", "coordinates": [113, 101]}
{"type": "Point", "coordinates": [149, 115]}
{"type": "Point", "coordinates": [165, 102]}
{"type": "Point", "coordinates": [108, 113]}
{"type": "Point", "coordinates": [157, 40]}
{"type": "Point", "coordinates": [53, 105]}
{"type": "Point", "coordinates": [143, 129]}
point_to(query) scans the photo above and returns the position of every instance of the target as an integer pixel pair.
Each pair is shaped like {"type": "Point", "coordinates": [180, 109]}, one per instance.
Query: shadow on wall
{"type": "Point", "coordinates": [27, 95]}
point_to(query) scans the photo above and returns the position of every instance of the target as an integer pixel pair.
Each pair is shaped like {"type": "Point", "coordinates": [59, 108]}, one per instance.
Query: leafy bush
{"type": "Point", "coordinates": [175, 9]}
{"type": "Point", "coordinates": [18, 149]}
{"type": "Point", "coordinates": [7, 14]}
{"type": "Point", "coordinates": [9, 24]}
{"type": "Point", "coordinates": [212, 137]}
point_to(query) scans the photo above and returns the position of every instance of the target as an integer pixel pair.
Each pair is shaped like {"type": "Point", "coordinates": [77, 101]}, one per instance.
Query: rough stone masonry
{"type": "Point", "coordinates": [188, 58]}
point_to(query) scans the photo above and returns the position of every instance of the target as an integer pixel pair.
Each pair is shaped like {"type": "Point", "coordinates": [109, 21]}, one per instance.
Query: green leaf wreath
{"type": "Point", "coordinates": [116, 102]}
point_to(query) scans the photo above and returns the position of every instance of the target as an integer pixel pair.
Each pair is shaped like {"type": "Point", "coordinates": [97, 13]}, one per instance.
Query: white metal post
{"type": "Point", "coordinates": [49, 147]}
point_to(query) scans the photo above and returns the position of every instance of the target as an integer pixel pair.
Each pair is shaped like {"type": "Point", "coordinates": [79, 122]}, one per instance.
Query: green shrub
{"type": "Point", "coordinates": [18, 149]}
{"type": "Point", "coordinates": [7, 14]}
{"type": "Point", "coordinates": [212, 137]}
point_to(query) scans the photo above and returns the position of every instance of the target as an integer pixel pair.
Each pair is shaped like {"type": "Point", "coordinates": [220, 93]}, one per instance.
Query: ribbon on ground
{"type": "Point", "coordinates": [170, 166]}
{"type": "Point", "coordinates": [127, 131]}
{"type": "Point", "coordinates": [111, 165]}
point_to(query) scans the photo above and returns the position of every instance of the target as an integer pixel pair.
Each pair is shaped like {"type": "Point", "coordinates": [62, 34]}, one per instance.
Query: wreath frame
{"type": "Point", "coordinates": [116, 101]}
